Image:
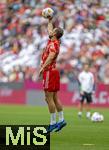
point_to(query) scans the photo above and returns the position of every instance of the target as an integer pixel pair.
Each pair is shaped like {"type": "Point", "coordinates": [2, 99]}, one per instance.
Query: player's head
{"type": "Point", "coordinates": [86, 66]}
{"type": "Point", "coordinates": [57, 32]}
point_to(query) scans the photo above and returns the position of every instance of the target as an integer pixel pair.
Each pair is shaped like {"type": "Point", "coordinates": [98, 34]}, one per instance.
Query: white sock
{"type": "Point", "coordinates": [53, 119]}
{"type": "Point", "coordinates": [88, 114]}
{"type": "Point", "coordinates": [61, 116]}
{"type": "Point", "coordinates": [79, 113]}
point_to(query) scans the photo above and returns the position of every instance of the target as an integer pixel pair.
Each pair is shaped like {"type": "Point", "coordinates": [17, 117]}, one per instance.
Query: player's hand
{"type": "Point", "coordinates": [93, 93]}
{"type": "Point", "coordinates": [82, 93]}
{"type": "Point", "coordinates": [41, 71]}
{"type": "Point", "coordinates": [50, 18]}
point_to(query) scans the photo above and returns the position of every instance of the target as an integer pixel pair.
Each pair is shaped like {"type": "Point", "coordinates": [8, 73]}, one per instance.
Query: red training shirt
{"type": "Point", "coordinates": [52, 46]}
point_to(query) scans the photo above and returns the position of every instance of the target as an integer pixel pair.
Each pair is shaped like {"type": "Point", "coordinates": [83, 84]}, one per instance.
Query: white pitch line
{"type": "Point", "coordinates": [88, 144]}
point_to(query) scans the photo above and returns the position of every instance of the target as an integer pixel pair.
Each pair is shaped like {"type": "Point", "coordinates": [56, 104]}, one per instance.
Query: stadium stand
{"type": "Point", "coordinates": [23, 36]}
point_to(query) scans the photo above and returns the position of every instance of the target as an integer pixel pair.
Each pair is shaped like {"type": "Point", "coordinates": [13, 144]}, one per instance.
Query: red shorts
{"type": "Point", "coordinates": [51, 80]}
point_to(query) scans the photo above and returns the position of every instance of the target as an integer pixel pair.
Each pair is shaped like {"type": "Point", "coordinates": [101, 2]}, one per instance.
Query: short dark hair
{"type": "Point", "coordinates": [59, 32]}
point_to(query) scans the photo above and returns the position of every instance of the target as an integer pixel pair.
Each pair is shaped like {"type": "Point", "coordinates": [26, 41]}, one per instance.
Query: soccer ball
{"type": "Point", "coordinates": [47, 12]}
{"type": "Point", "coordinates": [101, 118]}
{"type": "Point", "coordinates": [97, 117]}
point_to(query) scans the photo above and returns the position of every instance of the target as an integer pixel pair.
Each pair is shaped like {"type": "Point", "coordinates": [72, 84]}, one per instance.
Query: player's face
{"type": "Point", "coordinates": [86, 67]}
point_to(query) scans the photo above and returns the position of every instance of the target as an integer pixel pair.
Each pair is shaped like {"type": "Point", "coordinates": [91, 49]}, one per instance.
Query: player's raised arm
{"type": "Point", "coordinates": [50, 26]}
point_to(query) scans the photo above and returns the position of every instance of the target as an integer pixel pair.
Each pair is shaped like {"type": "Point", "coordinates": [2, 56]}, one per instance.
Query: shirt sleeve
{"type": "Point", "coordinates": [80, 78]}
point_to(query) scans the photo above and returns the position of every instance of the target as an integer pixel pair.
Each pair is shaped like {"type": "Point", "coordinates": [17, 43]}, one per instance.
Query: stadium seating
{"type": "Point", "coordinates": [24, 35]}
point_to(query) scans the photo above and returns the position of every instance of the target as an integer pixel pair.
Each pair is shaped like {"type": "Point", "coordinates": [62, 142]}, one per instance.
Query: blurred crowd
{"type": "Point", "coordinates": [23, 35]}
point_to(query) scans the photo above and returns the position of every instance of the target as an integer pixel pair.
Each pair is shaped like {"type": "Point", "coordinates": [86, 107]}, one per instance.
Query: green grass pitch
{"type": "Point", "coordinates": [79, 134]}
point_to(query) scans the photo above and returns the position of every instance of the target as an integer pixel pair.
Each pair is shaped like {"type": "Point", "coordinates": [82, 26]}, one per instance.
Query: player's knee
{"type": "Point", "coordinates": [55, 97]}
{"type": "Point", "coordinates": [81, 102]}
{"type": "Point", "coordinates": [46, 100]}
{"type": "Point", "coordinates": [49, 98]}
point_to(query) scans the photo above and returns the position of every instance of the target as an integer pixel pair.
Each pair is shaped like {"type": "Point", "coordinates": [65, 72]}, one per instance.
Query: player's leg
{"type": "Point", "coordinates": [51, 106]}
{"type": "Point", "coordinates": [88, 114]}
{"type": "Point", "coordinates": [59, 107]}
{"type": "Point", "coordinates": [88, 108]}
{"type": "Point", "coordinates": [52, 110]}
{"type": "Point", "coordinates": [61, 123]}
{"type": "Point", "coordinates": [81, 105]}
{"type": "Point", "coordinates": [49, 95]}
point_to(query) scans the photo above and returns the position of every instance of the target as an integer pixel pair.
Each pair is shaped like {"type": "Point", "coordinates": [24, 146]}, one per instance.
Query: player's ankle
{"type": "Point", "coordinates": [61, 116]}
{"type": "Point", "coordinates": [88, 114]}
{"type": "Point", "coordinates": [53, 119]}
{"type": "Point", "coordinates": [80, 113]}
